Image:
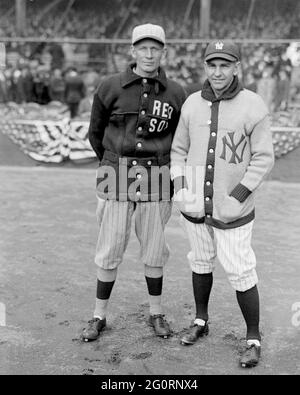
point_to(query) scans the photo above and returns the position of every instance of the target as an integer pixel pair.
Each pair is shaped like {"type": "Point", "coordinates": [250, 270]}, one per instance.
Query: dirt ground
{"type": "Point", "coordinates": [47, 282]}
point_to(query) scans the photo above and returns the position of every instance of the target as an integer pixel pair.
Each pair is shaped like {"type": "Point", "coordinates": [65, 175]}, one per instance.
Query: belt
{"type": "Point", "coordinates": [136, 161]}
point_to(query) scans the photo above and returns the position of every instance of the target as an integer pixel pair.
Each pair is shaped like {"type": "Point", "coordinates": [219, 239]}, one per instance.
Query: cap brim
{"type": "Point", "coordinates": [218, 55]}
{"type": "Point", "coordinates": [148, 37]}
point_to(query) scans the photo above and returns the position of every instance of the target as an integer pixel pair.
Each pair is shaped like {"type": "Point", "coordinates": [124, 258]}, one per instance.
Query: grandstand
{"type": "Point", "coordinates": [41, 36]}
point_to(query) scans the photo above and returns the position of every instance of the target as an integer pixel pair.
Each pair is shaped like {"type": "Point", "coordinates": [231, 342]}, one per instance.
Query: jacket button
{"type": "Point", "coordinates": [145, 95]}
{"type": "Point", "coordinates": [209, 167]}
{"type": "Point", "coordinates": [211, 151]}
{"type": "Point", "coordinates": [145, 80]}
{"type": "Point", "coordinates": [139, 145]}
{"type": "Point", "coordinates": [134, 162]}
{"type": "Point", "coordinates": [140, 129]}
{"type": "Point", "coordinates": [208, 215]}
{"type": "Point", "coordinates": [213, 134]}
{"type": "Point", "coordinates": [138, 176]}
{"type": "Point", "coordinates": [208, 182]}
{"type": "Point", "coordinates": [207, 199]}
{"type": "Point", "coordinates": [143, 112]}
{"type": "Point", "coordinates": [138, 193]}
{"type": "Point", "coordinates": [149, 162]}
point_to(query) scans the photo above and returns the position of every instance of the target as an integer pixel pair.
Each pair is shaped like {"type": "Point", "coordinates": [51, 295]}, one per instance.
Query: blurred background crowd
{"type": "Point", "coordinates": [68, 71]}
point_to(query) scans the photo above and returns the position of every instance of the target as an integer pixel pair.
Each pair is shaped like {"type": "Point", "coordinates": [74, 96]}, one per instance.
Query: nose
{"type": "Point", "coordinates": [218, 71]}
{"type": "Point", "coordinates": [149, 53]}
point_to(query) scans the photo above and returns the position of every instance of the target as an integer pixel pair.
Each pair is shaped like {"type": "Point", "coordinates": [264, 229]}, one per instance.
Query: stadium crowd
{"type": "Point", "coordinates": [40, 71]}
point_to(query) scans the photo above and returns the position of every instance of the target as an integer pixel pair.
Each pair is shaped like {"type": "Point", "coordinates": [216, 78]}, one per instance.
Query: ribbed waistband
{"type": "Point", "coordinates": [136, 161]}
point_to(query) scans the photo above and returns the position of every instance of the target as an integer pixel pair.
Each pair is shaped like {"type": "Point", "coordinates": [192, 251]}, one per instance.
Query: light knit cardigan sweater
{"type": "Point", "coordinates": [222, 150]}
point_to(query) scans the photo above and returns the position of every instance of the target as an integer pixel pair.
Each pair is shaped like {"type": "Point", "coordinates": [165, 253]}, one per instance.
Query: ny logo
{"type": "Point", "coordinates": [219, 45]}
{"type": "Point", "coordinates": [235, 158]}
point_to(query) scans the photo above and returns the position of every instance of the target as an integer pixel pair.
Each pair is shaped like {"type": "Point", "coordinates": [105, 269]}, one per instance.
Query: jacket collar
{"type": "Point", "coordinates": [128, 77]}
{"type": "Point", "coordinates": [208, 94]}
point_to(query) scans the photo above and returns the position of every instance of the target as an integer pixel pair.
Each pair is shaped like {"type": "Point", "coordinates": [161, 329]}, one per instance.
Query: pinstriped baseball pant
{"type": "Point", "coordinates": [114, 219]}
{"type": "Point", "coordinates": [232, 247]}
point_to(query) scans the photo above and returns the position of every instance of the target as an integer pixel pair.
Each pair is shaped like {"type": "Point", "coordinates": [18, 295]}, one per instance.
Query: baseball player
{"type": "Point", "coordinates": [221, 152]}
{"type": "Point", "coordinates": [133, 121]}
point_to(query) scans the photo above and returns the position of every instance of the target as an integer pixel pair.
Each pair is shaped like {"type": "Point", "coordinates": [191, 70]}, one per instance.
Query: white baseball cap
{"type": "Point", "coordinates": [154, 32]}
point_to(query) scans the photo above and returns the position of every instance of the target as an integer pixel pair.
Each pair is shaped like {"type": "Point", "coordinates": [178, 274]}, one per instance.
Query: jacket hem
{"type": "Point", "coordinates": [220, 224]}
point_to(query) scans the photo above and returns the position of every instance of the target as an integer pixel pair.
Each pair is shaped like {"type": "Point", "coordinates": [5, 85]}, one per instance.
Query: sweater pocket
{"type": "Point", "coordinates": [193, 199]}
{"type": "Point", "coordinates": [231, 209]}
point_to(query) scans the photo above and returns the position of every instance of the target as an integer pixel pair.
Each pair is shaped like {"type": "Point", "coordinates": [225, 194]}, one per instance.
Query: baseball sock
{"type": "Point", "coordinates": [105, 283]}
{"type": "Point", "coordinates": [249, 304]}
{"type": "Point", "coordinates": [202, 284]}
{"type": "Point", "coordinates": [154, 280]}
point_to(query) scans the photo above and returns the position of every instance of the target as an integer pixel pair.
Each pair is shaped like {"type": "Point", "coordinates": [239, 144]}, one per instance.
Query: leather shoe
{"type": "Point", "coordinates": [250, 356]}
{"type": "Point", "coordinates": [194, 333]}
{"type": "Point", "coordinates": [95, 326]}
{"type": "Point", "coordinates": [160, 325]}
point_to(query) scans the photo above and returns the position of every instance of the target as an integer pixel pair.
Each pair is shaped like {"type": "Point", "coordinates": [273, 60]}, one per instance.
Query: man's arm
{"type": "Point", "coordinates": [262, 160]}
{"type": "Point", "coordinates": [98, 123]}
{"type": "Point", "coordinates": [179, 152]}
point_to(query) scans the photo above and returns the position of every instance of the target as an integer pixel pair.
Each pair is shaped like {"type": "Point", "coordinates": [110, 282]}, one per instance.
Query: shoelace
{"type": "Point", "coordinates": [161, 320]}
{"type": "Point", "coordinates": [93, 320]}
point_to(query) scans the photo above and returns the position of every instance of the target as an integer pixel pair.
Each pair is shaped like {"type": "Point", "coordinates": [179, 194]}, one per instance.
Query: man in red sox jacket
{"type": "Point", "coordinates": [133, 120]}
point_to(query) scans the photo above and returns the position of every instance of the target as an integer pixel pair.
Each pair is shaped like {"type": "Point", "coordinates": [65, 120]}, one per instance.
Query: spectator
{"type": "Point", "coordinates": [26, 81]}
{"type": "Point", "coordinates": [3, 87]}
{"type": "Point", "coordinates": [282, 91]}
{"type": "Point", "coordinates": [85, 105]}
{"type": "Point", "coordinates": [57, 86]}
{"type": "Point", "coordinates": [266, 87]}
{"type": "Point", "coordinates": [17, 88]}
{"type": "Point", "coordinates": [57, 55]}
{"type": "Point", "coordinates": [74, 91]}
{"type": "Point", "coordinates": [41, 86]}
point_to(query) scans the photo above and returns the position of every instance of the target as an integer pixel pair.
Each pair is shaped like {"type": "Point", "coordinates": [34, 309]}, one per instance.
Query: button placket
{"type": "Point", "coordinates": [210, 161]}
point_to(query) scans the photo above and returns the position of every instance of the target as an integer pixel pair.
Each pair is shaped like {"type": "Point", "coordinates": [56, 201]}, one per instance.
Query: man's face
{"type": "Point", "coordinates": [220, 73]}
{"type": "Point", "coordinates": [147, 54]}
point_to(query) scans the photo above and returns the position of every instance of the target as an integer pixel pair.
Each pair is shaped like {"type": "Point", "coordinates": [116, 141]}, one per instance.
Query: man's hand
{"type": "Point", "coordinates": [187, 202]}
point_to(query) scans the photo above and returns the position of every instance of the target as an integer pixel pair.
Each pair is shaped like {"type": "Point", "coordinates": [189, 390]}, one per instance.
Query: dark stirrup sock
{"type": "Point", "coordinates": [154, 285]}
{"type": "Point", "coordinates": [104, 289]}
{"type": "Point", "coordinates": [249, 304]}
{"type": "Point", "coordinates": [202, 284]}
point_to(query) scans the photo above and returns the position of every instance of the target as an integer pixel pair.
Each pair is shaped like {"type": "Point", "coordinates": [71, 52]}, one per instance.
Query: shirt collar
{"type": "Point", "coordinates": [129, 77]}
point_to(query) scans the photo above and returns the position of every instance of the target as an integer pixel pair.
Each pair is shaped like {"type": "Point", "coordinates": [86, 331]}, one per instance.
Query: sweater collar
{"type": "Point", "coordinates": [129, 77]}
{"type": "Point", "coordinates": [208, 93]}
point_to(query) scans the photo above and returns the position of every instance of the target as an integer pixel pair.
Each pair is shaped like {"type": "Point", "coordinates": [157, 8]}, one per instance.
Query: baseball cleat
{"type": "Point", "coordinates": [160, 325]}
{"type": "Point", "coordinates": [251, 356]}
{"type": "Point", "coordinates": [194, 333]}
{"type": "Point", "coordinates": [95, 326]}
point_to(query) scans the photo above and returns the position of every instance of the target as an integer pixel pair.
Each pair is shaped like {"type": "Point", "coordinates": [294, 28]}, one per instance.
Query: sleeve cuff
{"type": "Point", "coordinates": [240, 193]}
{"type": "Point", "coordinates": [179, 183]}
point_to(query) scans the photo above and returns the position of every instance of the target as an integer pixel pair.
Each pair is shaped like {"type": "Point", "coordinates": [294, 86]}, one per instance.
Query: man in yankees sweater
{"type": "Point", "coordinates": [221, 152]}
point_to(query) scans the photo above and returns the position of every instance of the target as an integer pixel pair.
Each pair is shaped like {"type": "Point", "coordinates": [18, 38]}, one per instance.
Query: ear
{"type": "Point", "coordinates": [164, 53]}
{"type": "Point", "coordinates": [205, 67]}
{"type": "Point", "coordinates": [236, 68]}
{"type": "Point", "coordinates": [133, 51]}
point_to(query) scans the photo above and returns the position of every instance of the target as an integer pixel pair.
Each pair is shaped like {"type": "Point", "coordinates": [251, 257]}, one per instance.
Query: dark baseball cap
{"type": "Point", "coordinates": [227, 50]}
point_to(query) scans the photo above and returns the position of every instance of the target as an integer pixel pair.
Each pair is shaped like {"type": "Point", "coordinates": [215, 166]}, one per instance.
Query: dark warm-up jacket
{"type": "Point", "coordinates": [132, 125]}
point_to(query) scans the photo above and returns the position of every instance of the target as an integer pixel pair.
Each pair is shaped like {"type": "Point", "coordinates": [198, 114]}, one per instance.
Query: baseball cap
{"type": "Point", "coordinates": [155, 32]}
{"type": "Point", "coordinates": [227, 50]}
